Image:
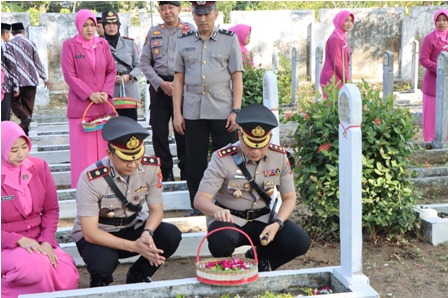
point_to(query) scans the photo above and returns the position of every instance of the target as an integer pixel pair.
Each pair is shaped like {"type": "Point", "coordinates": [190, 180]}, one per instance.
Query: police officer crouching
{"type": "Point", "coordinates": [110, 223]}
{"type": "Point", "coordinates": [239, 189]}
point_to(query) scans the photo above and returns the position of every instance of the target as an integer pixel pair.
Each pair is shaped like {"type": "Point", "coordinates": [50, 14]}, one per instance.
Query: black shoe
{"type": "Point", "coordinates": [99, 282]}
{"type": "Point", "coordinates": [263, 263]}
{"type": "Point", "coordinates": [194, 212]}
{"type": "Point", "coordinates": [167, 175]}
{"type": "Point", "coordinates": [133, 278]}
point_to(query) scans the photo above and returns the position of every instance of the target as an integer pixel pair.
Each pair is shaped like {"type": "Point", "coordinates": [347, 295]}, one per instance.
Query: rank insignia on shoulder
{"type": "Point", "coordinates": [97, 173]}
{"type": "Point", "coordinates": [151, 160]}
{"type": "Point", "coordinates": [226, 32]}
{"type": "Point", "coordinates": [227, 151]}
{"type": "Point", "coordinates": [277, 148]}
{"type": "Point", "coordinates": [186, 34]}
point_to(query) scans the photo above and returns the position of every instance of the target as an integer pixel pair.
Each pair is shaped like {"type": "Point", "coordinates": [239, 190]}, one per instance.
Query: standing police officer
{"type": "Point", "coordinates": [127, 61]}
{"type": "Point", "coordinates": [208, 67]}
{"type": "Point", "coordinates": [238, 188]}
{"type": "Point", "coordinates": [157, 65]}
{"type": "Point", "coordinates": [110, 224]}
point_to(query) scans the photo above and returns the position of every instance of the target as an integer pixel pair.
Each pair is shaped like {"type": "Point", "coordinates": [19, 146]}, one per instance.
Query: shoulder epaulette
{"type": "Point", "coordinates": [277, 148]}
{"type": "Point", "coordinates": [126, 37]}
{"type": "Point", "coordinates": [97, 173]}
{"type": "Point", "coordinates": [226, 32]}
{"type": "Point", "coordinates": [227, 151]}
{"type": "Point", "coordinates": [187, 34]}
{"type": "Point", "coordinates": [151, 161]}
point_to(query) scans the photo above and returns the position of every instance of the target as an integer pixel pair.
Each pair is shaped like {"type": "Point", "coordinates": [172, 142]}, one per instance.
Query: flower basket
{"type": "Point", "coordinates": [126, 102]}
{"type": "Point", "coordinates": [97, 123]}
{"type": "Point", "coordinates": [246, 273]}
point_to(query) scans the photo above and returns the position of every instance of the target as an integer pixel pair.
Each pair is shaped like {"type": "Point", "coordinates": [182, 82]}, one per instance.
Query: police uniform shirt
{"type": "Point", "coordinates": [225, 181]}
{"type": "Point", "coordinates": [159, 48]}
{"type": "Point", "coordinates": [95, 194]}
{"type": "Point", "coordinates": [210, 62]}
{"type": "Point", "coordinates": [127, 51]}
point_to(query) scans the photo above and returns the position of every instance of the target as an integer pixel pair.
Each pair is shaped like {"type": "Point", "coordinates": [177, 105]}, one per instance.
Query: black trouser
{"type": "Point", "coordinates": [6, 107]}
{"type": "Point", "coordinates": [289, 242]}
{"type": "Point", "coordinates": [131, 113]}
{"type": "Point", "coordinates": [23, 105]}
{"type": "Point", "coordinates": [102, 261]}
{"type": "Point", "coordinates": [198, 133]}
{"type": "Point", "coordinates": [161, 112]}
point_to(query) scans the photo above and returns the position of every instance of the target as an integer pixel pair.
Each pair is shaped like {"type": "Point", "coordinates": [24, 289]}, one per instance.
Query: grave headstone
{"type": "Point", "coordinates": [415, 62]}
{"type": "Point", "coordinates": [294, 75]}
{"type": "Point", "coordinates": [319, 61]}
{"type": "Point", "coordinates": [441, 102]}
{"type": "Point", "coordinates": [388, 74]}
{"type": "Point", "coordinates": [270, 100]}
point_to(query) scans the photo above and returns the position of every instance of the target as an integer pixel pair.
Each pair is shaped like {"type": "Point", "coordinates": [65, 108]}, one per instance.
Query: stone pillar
{"type": "Point", "coordinates": [319, 61]}
{"type": "Point", "coordinates": [39, 36]}
{"type": "Point", "coordinates": [350, 65]}
{"type": "Point", "coordinates": [441, 102]}
{"type": "Point", "coordinates": [415, 58]}
{"type": "Point", "coordinates": [274, 58]}
{"type": "Point", "coordinates": [294, 75]}
{"type": "Point", "coordinates": [270, 100]}
{"type": "Point", "coordinates": [147, 101]}
{"type": "Point", "coordinates": [350, 178]}
{"type": "Point", "coordinates": [388, 74]}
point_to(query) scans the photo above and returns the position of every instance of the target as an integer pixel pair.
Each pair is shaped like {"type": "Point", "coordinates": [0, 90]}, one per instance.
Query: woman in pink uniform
{"type": "Point", "coordinates": [32, 261]}
{"type": "Point", "coordinates": [89, 71]}
{"type": "Point", "coordinates": [243, 32]}
{"type": "Point", "coordinates": [337, 52]}
{"type": "Point", "coordinates": [434, 43]}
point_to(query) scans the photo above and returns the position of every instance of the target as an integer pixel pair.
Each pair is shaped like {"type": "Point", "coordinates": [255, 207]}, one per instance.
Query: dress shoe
{"type": "Point", "coordinates": [194, 212]}
{"type": "Point", "coordinates": [263, 263]}
{"type": "Point", "coordinates": [99, 282]}
{"type": "Point", "coordinates": [132, 278]}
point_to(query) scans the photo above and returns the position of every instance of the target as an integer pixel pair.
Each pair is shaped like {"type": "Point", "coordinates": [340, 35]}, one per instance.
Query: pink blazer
{"type": "Point", "coordinates": [42, 222]}
{"type": "Point", "coordinates": [83, 79]}
{"type": "Point", "coordinates": [334, 65]}
{"type": "Point", "coordinates": [431, 48]}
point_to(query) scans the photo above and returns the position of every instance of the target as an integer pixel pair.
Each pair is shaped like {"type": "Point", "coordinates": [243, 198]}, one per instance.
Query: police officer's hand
{"type": "Point", "coordinates": [147, 248]}
{"type": "Point", "coordinates": [231, 124]}
{"type": "Point", "coordinates": [50, 254]}
{"type": "Point", "coordinates": [167, 88]}
{"type": "Point", "coordinates": [270, 231]}
{"type": "Point", "coordinates": [223, 215]}
{"type": "Point", "coordinates": [179, 124]}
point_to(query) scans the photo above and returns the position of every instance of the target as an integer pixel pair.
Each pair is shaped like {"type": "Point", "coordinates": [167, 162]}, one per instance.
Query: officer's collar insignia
{"type": "Point", "coordinates": [180, 25]}
{"type": "Point", "coordinates": [258, 131]}
{"type": "Point", "coordinates": [214, 34]}
{"type": "Point", "coordinates": [133, 143]}
{"type": "Point", "coordinates": [227, 151]}
{"type": "Point", "coordinates": [162, 26]}
{"type": "Point", "coordinates": [98, 172]}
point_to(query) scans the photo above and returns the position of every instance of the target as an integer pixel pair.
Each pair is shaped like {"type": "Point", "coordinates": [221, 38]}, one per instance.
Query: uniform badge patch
{"type": "Point", "coordinates": [159, 181]}
{"type": "Point", "coordinates": [157, 33]}
{"type": "Point", "coordinates": [155, 43]}
{"type": "Point", "coordinates": [227, 151]}
{"type": "Point", "coordinates": [277, 148]}
{"type": "Point", "coordinates": [97, 173]}
{"type": "Point", "coordinates": [141, 188]}
{"type": "Point", "coordinates": [273, 172]}
{"type": "Point", "coordinates": [151, 160]}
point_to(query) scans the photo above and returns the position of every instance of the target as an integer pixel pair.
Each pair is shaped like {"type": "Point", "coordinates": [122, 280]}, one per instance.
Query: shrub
{"type": "Point", "coordinates": [252, 85]}
{"type": "Point", "coordinates": [388, 194]}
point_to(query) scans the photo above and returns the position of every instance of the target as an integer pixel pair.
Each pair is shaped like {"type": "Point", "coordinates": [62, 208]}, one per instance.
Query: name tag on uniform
{"type": "Point", "coordinates": [190, 49]}
{"type": "Point", "coordinates": [111, 196]}
{"type": "Point", "coordinates": [239, 177]}
{"type": "Point", "coordinates": [80, 56]}
{"type": "Point", "coordinates": [7, 198]}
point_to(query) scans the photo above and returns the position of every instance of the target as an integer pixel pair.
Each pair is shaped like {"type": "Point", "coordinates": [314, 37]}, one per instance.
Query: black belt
{"type": "Point", "coordinates": [117, 221]}
{"type": "Point", "coordinates": [248, 214]}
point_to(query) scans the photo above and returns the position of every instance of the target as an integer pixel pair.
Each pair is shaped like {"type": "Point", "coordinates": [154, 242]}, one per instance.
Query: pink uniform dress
{"type": "Point", "coordinates": [243, 31]}
{"type": "Point", "coordinates": [433, 43]}
{"type": "Point", "coordinates": [337, 54]}
{"type": "Point", "coordinates": [30, 209]}
{"type": "Point", "coordinates": [88, 67]}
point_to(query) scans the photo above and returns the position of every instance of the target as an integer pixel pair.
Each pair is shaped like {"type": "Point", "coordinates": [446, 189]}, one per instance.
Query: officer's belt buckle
{"type": "Point", "coordinates": [250, 215]}
{"type": "Point", "coordinates": [204, 89]}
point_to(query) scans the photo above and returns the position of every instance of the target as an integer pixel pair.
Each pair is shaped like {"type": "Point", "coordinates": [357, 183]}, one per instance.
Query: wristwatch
{"type": "Point", "coordinates": [236, 111]}
{"type": "Point", "coordinates": [280, 222]}
{"type": "Point", "coordinates": [151, 233]}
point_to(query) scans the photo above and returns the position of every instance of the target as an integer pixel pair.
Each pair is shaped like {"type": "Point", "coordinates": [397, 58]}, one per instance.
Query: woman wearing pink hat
{"type": "Point", "coordinates": [89, 71]}
{"type": "Point", "coordinates": [243, 32]}
{"type": "Point", "coordinates": [434, 43]}
{"type": "Point", "coordinates": [32, 261]}
{"type": "Point", "coordinates": [337, 52]}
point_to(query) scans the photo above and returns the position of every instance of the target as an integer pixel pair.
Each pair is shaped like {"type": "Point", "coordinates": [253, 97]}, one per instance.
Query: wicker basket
{"type": "Point", "coordinates": [98, 123]}
{"type": "Point", "coordinates": [226, 278]}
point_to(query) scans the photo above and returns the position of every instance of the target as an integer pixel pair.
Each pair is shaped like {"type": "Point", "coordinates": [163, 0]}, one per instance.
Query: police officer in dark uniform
{"type": "Point", "coordinates": [208, 89]}
{"type": "Point", "coordinates": [110, 223]}
{"type": "Point", "coordinates": [241, 187]}
{"type": "Point", "coordinates": [157, 64]}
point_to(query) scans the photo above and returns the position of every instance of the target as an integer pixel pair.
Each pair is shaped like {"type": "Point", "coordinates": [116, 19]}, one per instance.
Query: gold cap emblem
{"type": "Point", "coordinates": [258, 131]}
{"type": "Point", "coordinates": [132, 143]}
